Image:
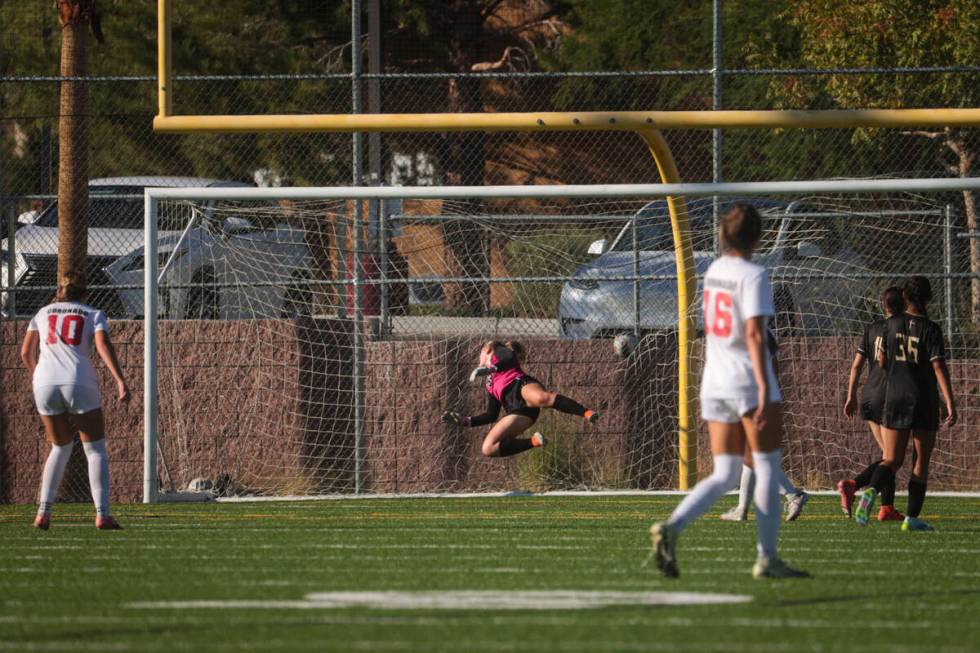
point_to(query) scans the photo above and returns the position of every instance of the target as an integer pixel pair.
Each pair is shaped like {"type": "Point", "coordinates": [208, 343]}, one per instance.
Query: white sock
{"type": "Point", "coordinates": [54, 471]}
{"type": "Point", "coordinates": [767, 506]}
{"type": "Point", "coordinates": [746, 486]}
{"type": "Point", "coordinates": [98, 475]}
{"type": "Point", "coordinates": [785, 485]}
{"type": "Point", "coordinates": [707, 491]}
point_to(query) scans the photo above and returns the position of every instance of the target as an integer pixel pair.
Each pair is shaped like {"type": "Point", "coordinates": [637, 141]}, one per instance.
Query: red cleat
{"type": "Point", "coordinates": [888, 513]}
{"type": "Point", "coordinates": [847, 488]}
{"type": "Point", "coordinates": [107, 523]}
{"type": "Point", "coordinates": [42, 521]}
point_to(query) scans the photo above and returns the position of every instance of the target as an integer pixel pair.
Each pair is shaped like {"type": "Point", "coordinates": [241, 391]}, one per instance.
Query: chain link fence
{"type": "Point", "coordinates": [124, 147]}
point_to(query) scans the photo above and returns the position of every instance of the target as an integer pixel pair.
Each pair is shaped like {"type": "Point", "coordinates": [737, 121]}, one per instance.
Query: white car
{"type": "Point", "coordinates": [208, 277]}
{"type": "Point", "coordinates": [806, 255]}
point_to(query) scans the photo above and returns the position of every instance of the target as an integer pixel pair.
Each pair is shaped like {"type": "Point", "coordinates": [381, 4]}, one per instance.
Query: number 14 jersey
{"type": "Point", "coordinates": [66, 331]}
{"type": "Point", "coordinates": [735, 290]}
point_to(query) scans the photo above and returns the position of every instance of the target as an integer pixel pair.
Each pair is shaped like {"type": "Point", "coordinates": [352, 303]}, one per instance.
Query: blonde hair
{"type": "Point", "coordinates": [72, 287]}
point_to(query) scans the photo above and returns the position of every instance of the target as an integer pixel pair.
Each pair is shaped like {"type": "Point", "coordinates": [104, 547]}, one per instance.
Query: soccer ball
{"type": "Point", "coordinates": [624, 344]}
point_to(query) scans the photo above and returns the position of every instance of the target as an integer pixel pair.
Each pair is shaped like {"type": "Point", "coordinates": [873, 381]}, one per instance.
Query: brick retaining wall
{"type": "Point", "coordinates": [270, 402]}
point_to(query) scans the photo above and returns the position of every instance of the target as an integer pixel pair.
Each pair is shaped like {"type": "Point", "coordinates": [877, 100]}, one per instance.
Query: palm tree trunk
{"type": "Point", "coordinates": [73, 139]}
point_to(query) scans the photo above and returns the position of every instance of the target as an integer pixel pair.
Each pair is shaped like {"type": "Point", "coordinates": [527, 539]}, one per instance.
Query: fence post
{"type": "Point", "coordinates": [358, 325]}
{"type": "Point", "coordinates": [11, 259]}
{"type": "Point", "coordinates": [717, 49]}
{"type": "Point", "coordinates": [948, 266]}
{"type": "Point", "coordinates": [636, 277]}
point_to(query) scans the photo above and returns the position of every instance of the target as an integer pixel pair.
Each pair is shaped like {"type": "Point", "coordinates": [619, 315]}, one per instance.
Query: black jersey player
{"type": "Point", "coordinates": [869, 403]}
{"type": "Point", "coordinates": [915, 372]}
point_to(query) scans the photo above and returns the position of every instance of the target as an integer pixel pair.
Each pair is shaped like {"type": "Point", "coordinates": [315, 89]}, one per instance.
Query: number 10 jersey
{"type": "Point", "coordinates": [66, 331]}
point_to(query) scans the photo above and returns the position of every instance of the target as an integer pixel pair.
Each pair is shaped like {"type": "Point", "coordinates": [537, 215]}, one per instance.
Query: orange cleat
{"type": "Point", "coordinates": [107, 523]}
{"type": "Point", "coordinates": [42, 521]}
{"type": "Point", "coordinates": [591, 417]}
{"type": "Point", "coordinates": [888, 513]}
{"type": "Point", "coordinates": [538, 440]}
{"type": "Point", "coordinates": [847, 488]}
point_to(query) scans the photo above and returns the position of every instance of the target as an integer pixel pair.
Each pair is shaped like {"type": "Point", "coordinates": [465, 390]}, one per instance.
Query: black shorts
{"type": "Point", "coordinates": [514, 403]}
{"type": "Point", "coordinates": [918, 413]}
{"type": "Point", "coordinates": [871, 411]}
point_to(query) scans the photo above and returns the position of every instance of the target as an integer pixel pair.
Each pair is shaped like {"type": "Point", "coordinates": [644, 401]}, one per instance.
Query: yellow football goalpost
{"type": "Point", "coordinates": [646, 124]}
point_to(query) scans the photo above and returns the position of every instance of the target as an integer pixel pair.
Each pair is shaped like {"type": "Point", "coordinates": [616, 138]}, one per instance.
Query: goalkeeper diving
{"type": "Point", "coordinates": [520, 395]}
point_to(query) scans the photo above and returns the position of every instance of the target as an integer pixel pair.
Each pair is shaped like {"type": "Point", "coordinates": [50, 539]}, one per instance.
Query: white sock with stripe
{"type": "Point", "coordinates": [767, 507]}
{"type": "Point", "coordinates": [54, 471]}
{"type": "Point", "coordinates": [98, 475]}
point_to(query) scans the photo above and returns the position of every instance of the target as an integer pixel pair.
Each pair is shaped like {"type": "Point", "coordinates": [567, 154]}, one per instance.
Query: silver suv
{"type": "Point", "coordinates": [805, 252]}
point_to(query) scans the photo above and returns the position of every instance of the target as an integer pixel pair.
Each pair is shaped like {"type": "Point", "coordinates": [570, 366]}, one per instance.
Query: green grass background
{"type": "Point", "coordinates": [874, 589]}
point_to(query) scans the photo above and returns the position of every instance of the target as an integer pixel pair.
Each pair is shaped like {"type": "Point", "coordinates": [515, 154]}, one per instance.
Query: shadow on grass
{"type": "Point", "coordinates": [848, 598]}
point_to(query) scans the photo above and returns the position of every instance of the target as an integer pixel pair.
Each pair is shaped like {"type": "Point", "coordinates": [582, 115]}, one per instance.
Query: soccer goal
{"type": "Point", "coordinates": [306, 341]}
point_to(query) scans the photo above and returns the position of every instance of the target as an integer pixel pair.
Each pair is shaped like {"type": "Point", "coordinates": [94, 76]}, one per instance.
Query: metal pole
{"type": "Point", "coordinates": [717, 61]}
{"type": "Point", "coordinates": [150, 435]}
{"type": "Point", "coordinates": [636, 281]}
{"type": "Point", "coordinates": [948, 266]}
{"type": "Point", "coordinates": [374, 86]}
{"type": "Point", "coordinates": [385, 318]}
{"type": "Point", "coordinates": [358, 326]}
{"type": "Point", "coordinates": [11, 261]}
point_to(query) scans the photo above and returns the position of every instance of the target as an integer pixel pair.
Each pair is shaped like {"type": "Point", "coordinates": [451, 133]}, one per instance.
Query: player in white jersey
{"type": "Point", "coordinates": [66, 392]}
{"type": "Point", "coordinates": [740, 397]}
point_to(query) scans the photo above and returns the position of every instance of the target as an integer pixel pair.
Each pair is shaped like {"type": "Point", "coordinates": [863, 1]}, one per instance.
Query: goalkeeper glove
{"type": "Point", "coordinates": [456, 419]}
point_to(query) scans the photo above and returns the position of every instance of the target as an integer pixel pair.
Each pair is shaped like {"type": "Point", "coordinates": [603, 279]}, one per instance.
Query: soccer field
{"type": "Point", "coordinates": [307, 576]}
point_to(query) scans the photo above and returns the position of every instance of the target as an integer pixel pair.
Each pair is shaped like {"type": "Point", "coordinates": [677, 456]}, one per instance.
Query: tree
{"type": "Point", "coordinates": [76, 17]}
{"type": "Point", "coordinates": [900, 33]}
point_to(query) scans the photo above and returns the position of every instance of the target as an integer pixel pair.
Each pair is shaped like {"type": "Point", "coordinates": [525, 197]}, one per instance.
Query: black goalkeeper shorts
{"type": "Point", "coordinates": [514, 403]}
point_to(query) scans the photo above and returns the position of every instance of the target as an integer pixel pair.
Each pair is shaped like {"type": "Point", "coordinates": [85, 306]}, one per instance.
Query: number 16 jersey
{"type": "Point", "coordinates": [66, 331]}
{"type": "Point", "coordinates": [735, 290]}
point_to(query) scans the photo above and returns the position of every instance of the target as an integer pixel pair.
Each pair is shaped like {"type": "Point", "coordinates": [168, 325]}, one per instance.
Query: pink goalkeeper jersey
{"type": "Point", "coordinates": [498, 381]}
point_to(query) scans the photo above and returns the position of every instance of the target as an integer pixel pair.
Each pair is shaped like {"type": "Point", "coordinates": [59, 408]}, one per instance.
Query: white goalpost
{"type": "Point", "coordinates": [295, 346]}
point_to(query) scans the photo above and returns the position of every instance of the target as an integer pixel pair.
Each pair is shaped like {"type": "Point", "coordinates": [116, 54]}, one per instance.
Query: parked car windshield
{"type": "Point", "coordinates": [654, 231]}
{"type": "Point", "coordinates": [116, 208]}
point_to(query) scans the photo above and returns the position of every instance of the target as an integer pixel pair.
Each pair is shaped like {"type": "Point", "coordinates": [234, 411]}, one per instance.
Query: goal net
{"type": "Point", "coordinates": [310, 346]}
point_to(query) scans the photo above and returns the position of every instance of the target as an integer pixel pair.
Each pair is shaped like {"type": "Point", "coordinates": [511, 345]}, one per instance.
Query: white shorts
{"type": "Point", "coordinates": [66, 398]}
{"type": "Point", "coordinates": [727, 411]}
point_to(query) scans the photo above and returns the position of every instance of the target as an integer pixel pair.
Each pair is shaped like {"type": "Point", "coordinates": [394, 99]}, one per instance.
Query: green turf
{"type": "Point", "coordinates": [874, 589]}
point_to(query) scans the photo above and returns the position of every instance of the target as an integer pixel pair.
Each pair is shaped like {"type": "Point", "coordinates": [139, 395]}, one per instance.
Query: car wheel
{"type": "Point", "coordinates": [202, 298]}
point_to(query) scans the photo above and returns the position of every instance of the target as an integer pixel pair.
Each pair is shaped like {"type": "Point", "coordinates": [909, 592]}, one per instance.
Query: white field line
{"type": "Point", "coordinates": [463, 600]}
{"type": "Point", "coordinates": [639, 494]}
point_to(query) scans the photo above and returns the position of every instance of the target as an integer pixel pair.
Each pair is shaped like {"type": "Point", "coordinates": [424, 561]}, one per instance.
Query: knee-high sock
{"type": "Point", "coordinates": [864, 477]}
{"type": "Point", "coordinates": [514, 446]}
{"type": "Point", "coordinates": [785, 485]}
{"type": "Point", "coordinates": [917, 496]}
{"type": "Point", "coordinates": [568, 405]}
{"type": "Point", "coordinates": [707, 491]}
{"type": "Point", "coordinates": [98, 475]}
{"type": "Point", "coordinates": [888, 492]}
{"type": "Point", "coordinates": [767, 507]}
{"type": "Point", "coordinates": [882, 478]}
{"type": "Point", "coordinates": [54, 471]}
{"type": "Point", "coordinates": [746, 486]}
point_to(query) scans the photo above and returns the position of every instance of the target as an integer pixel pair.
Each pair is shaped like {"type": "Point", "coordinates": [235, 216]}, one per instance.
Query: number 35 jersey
{"type": "Point", "coordinates": [912, 342]}
{"type": "Point", "coordinates": [66, 331]}
{"type": "Point", "coordinates": [735, 290]}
